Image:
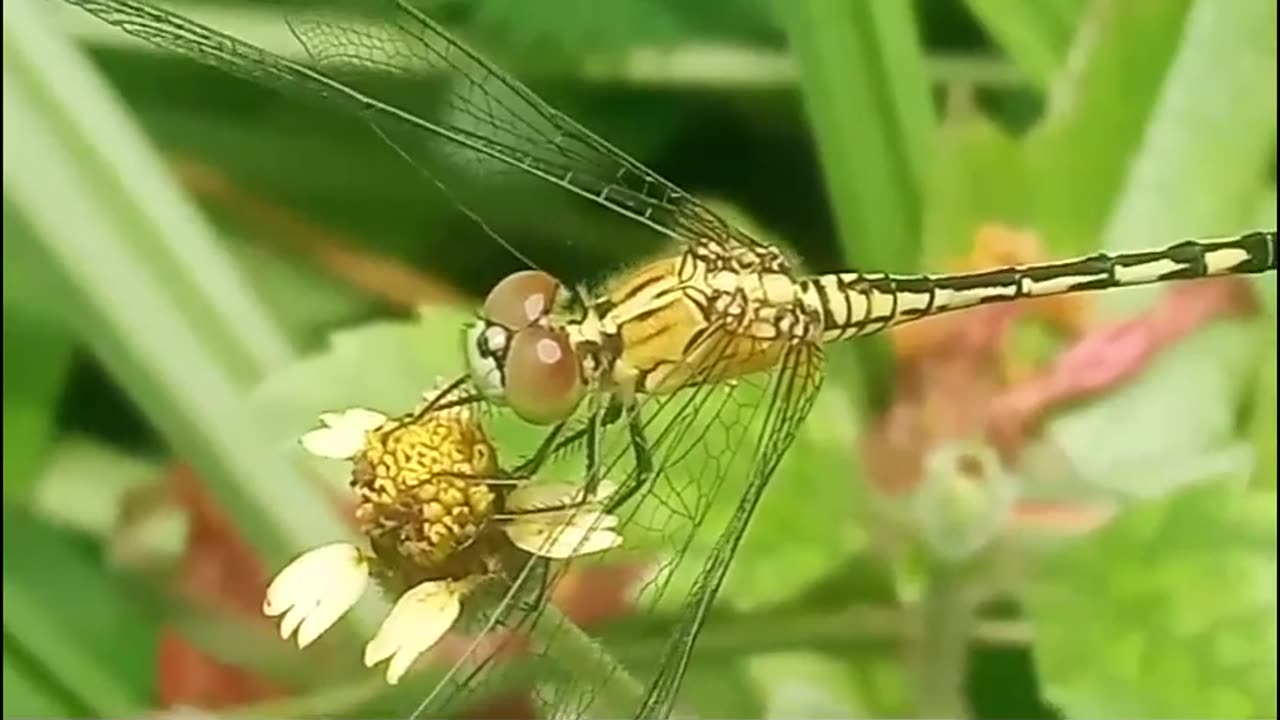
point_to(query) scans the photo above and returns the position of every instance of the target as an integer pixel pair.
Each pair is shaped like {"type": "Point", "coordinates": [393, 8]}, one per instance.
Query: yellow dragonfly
{"type": "Point", "coordinates": [680, 378]}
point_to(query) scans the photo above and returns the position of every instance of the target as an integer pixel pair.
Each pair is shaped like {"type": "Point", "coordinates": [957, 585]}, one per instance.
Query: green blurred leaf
{"type": "Point", "coordinates": [1181, 416]}
{"type": "Point", "coordinates": [85, 482]}
{"type": "Point", "coordinates": [28, 694]}
{"type": "Point", "coordinates": [1100, 110]}
{"type": "Point", "coordinates": [37, 358]}
{"type": "Point", "coordinates": [1225, 60]}
{"type": "Point", "coordinates": [166, 232]}
{"type": "Point", "coordinates": [1264, 421]}
{"type": "Point", "coordinates": [978, 177]}
{"type": "Point", "coordinates": [80, 623]}
{"type": "Point", "coordinates": [307, 302]}
{"type": "Point", "coordinates": [804, 685]}
{"type": "Point", "coordinates": [867, 94]}
{"type": "Point", "coordinates": [717, 687]}
{"type": "Point", "coordinates": [1180, 419]}
{"type": "Point", "coordinates": [133, 315]}
{"type": "Point", "coordinates": [1266, 285]}
{"type": "Point", "coordinates": [576, 26]}
{"type": "Point", "coordinates": [384, 365]}
{"type": "Point", "coordinates": [1035, 35]}
{"type": "Point", "coordinates": [1168, 612]}
{"type": "Point", "coordinates": [31, 283]}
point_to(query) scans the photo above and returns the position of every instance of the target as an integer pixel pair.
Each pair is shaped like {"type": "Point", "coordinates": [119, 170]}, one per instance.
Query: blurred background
{"type": "Point", "coordinates": [1058, 509]}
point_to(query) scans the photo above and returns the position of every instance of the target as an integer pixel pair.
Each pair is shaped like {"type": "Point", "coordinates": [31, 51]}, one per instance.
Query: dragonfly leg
{"type": "Point", "coordinates": [644, 463]}
{"type": "Point", "coordinates": [546, 449]}
{"type": "Point", "coordinates": [594, 439]}
{"type": "Point", "coordinates": [553, 444]}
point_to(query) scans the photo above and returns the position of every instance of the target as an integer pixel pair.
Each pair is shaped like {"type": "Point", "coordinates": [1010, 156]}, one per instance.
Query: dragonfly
{"type": "Point", "coordinates": [682, 381]}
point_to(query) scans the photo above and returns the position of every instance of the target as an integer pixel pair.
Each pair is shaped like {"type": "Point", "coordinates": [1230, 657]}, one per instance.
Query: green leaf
{"type": "Point", "coordinates": [804, 685]}
{"type": "Point", "coordinates": [1180, 416]}
{"type": "Point", "coordinates": [1035, 35]}
{"type": "Point", "coordinates": [866, 91]}
{"type": "Point", "coordinates": [581, 25]}
{"type": "Point", "coordinates": [136, 313]}
{"type": "Point", "coordinates": [37, 358]}
{"type": "Point", "coordinates": [1264, 422]}
{"type": "Point", "coordinates": [1266, 285]}
{"type": "Point", "coordinates": [1225, 60]}
{"type": "Point", "coordinates": [80, 624]}
{"type": "Point", "coordinates": [27, 694]}
{"type": "Point", "coordinates": [31, 282]}
{"type": "Point", "coordinates": [978, 177]}
{"type": "Point", "coordinates": [1180, 419]}
{"type": "Point", "coordinates": [1264, 396]}
{"type": "Point", "coordinates": [386, 366]}
{"type": "Point", "coordinates": [1168, 612]}
{"type": "Point", "coordinates": [307, 301]}
{"type": "Point", "coordinates": [1100, 110]}
{"type": "Point", "coordinates": [166, 231]}
{"type": "Point", "coordinates": [85, 482]}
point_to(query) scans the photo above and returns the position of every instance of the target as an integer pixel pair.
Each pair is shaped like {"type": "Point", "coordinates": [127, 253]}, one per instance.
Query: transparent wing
{"type": "Point", "coordinates": [788, 398]}
{"type": "Point", "coordinates": [490, 117]}
{"type": "Point", "coordinates": [490, 113]}
{"type": "Point", "coordinates": [713, 449]}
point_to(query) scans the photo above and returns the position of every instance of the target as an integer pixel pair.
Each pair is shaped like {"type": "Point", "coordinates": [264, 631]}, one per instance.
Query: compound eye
{"type": "Point", "coordinates": [521, 298]}
{"type": "Point", "coordinates": [543, 379]}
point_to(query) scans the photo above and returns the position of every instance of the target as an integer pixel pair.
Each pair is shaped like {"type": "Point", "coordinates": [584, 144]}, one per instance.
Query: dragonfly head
{"type": "Point", "coordinates": [518, 357]}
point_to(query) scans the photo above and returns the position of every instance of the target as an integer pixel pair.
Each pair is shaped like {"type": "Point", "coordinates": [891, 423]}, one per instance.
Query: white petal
{"type": "Point", "coordinates": [536, 496]}
{"type": "Point", "coordinates": [604, 490]}
{"type": "Point", "coordinates": [343, 433]}
{"type": "Point", "coordinates": [565, 534]}
{"type": "Point", "coordinates": [293, 618]}
{"type": "Point", "coordinates": [417, 621]}
{"type": "Point", "coordinates": [316, 589]}
{"type": "Point", "coordinates": [362, 418]}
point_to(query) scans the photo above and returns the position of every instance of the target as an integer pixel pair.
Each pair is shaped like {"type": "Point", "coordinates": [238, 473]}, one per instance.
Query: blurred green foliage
{"type": "Point", "coordinates": [171, 314]}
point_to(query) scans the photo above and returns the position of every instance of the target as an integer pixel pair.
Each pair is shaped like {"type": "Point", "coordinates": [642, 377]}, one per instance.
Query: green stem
{"type": "Point", "coordinates": [943, 647]}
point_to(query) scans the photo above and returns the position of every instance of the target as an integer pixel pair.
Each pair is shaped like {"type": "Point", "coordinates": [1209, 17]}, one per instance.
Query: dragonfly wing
{"type": "Point", "coordinates": [493, 118]}
{"type": "Point", "coordinates": [712, 449]}
{"type": "Point", "coordinates": [490, 117]}
{"type": "Point", "coordinates": [789, 393]}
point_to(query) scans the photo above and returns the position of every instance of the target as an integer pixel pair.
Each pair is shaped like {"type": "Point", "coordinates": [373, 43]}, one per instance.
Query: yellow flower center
{"type": "Point", "coordinates": [421, 486]}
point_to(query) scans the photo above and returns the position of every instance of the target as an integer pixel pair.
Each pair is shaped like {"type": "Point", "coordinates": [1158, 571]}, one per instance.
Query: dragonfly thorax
{"type": "Point", "coordinates": [684, 320]}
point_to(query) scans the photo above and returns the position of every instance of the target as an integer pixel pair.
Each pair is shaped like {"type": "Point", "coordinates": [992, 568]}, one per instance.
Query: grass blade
{"type": "Point", "coordinates": [1035, 35]}
{"type": "Point", "coordinates": [168, 231]}
{"type": "Point", "coordinates": [131, 310]}
{"type": "Point", "coordinates": [866, 90]}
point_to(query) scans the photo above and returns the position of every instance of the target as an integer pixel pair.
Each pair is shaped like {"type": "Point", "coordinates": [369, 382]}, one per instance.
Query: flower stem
{"type": "Point", "coordinates": [943, 650]}
{"type": "Point", "coordinates": [586, 663]}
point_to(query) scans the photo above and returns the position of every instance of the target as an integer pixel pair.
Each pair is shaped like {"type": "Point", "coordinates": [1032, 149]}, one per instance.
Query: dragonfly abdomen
{"type": "Point", "coordinates": [863, 303]}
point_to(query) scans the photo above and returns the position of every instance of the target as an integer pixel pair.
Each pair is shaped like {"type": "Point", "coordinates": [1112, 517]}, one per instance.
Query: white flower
{"type": "Point", "coordinates": [343, 434]}
{"type": "Point", "coordinates": [417, 621]}
{"type": "Point", "coordinates": [316, 589]}
{"type": "Point", "coordinates": [553, 520]}
{"type": "Point", "coordinates": [558, 494]}
{"type": "Point", "coordinates": [578, 525]}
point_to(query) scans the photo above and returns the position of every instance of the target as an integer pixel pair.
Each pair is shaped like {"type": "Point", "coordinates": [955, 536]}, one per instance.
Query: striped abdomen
{"type": "Point", "coordinates": [860, 304]}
